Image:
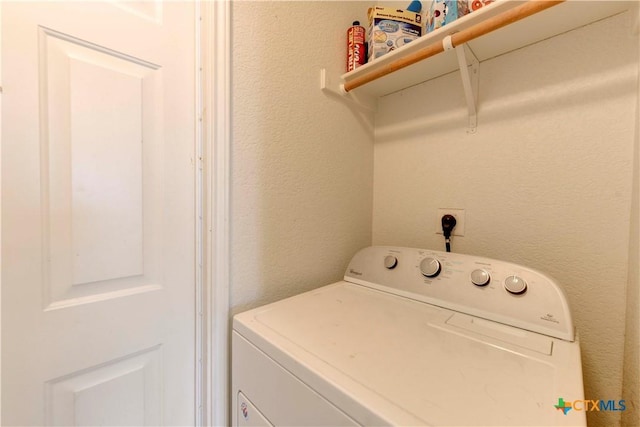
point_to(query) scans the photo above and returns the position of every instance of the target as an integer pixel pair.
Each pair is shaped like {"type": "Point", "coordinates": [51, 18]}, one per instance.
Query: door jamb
{"type": "Point", "coordinates": [1, 83]}
{"type": "Point", "coordinates": [215, 54]}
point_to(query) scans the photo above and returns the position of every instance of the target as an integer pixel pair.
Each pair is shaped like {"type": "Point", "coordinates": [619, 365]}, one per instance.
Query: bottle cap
{"type": "Point", "coordinates": [415, 6]}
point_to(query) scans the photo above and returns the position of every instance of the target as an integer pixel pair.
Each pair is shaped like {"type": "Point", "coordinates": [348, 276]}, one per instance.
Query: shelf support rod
{"type": "Point", "coordinates": [527, 9]}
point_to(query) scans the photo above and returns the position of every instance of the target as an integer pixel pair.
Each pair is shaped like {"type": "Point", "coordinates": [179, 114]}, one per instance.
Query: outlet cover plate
{"type": "Point", "coordinates": [458, 214]}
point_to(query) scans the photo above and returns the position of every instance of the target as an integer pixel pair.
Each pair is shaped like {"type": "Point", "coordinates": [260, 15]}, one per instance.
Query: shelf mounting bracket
{"type": "Point", "coordinates": [328, 86]}
{"type": "Point", "coordinates": [469, 72]}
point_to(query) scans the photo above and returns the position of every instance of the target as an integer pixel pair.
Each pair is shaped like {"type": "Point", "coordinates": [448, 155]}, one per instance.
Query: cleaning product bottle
{"type": "Point", "coordinates": [356, 49]}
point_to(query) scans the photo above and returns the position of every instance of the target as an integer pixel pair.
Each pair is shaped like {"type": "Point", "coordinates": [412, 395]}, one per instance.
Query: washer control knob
{"type": "Point", "coordinates": [515, 285]}
{"type": "Point", "coordinates": [390, 262]}
{"type": "Point", "coordinates": [430, 267]}
{"type": "Point", "coordinates": [480, 277]}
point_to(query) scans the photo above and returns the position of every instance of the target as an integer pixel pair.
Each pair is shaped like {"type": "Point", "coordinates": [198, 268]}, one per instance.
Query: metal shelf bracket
{"type": "Point", "coordinates": [469, 73]}
{"type": "Point", "coordinates": [329, 86]}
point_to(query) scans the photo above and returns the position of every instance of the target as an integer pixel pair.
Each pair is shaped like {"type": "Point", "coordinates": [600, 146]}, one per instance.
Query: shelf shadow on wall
{"type": "Point", "coordinates": [556, 98]}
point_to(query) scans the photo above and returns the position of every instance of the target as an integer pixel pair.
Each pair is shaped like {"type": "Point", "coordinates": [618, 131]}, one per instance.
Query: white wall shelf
{"type": "Point", "coordinates": [556, 20]}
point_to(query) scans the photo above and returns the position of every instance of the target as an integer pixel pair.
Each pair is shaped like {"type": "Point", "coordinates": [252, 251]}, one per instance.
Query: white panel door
{"type": "Point", "coordinates": [98, 221]}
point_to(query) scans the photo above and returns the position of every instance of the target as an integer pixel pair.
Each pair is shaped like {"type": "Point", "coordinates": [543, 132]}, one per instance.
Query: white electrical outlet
{"type": "Point", "coordinates": [458, 214]}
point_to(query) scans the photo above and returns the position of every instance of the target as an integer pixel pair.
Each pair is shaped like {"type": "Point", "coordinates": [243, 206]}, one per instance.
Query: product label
{"type": "Point", "coordinates": [390, 29]}
{"type": "Point", "coordinates": [356, 53]}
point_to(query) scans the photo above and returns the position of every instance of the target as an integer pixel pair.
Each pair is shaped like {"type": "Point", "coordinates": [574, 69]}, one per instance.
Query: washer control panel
{"type": "Point", "coordinates": [491, 289]}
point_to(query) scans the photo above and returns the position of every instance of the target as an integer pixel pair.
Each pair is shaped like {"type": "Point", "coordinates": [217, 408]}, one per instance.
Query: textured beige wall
{"type": "Point", "coordinates": [631, 380]}
{"type": "Point", "coordinates": [546, 181]}
{"type": "Point", "coordinates": [548, 169]}
{"type": "Point", "coordinates": [301, 195]}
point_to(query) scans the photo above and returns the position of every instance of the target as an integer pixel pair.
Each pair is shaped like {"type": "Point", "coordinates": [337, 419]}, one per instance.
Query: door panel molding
{"type": "Point", "coordinates": [79, 398]}
{"type": "Point", "coordinates": [91, 251]}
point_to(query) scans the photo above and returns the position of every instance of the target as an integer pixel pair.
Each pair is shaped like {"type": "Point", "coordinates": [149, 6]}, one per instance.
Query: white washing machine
{"type": "Point", "coordinates": [411, 337]}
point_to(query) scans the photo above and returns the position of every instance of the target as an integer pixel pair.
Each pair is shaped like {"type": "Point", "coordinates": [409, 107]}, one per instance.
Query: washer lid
{"type": "Point", "coordinates": [414, 363]}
